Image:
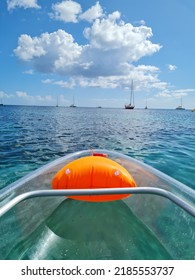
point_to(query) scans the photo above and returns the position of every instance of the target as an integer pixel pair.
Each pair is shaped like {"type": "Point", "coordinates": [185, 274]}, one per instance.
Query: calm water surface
{"type": "Point", "coordinates": [33, 136]}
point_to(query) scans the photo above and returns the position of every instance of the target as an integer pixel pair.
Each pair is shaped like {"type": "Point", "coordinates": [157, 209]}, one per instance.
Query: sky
{"type": "Point", "coordinates": [92, 50]}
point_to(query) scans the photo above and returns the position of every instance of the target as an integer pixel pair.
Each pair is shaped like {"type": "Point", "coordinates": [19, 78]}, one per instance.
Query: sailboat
{"type": "Point", "coordinates": [146, 107]}
{"type": "Point", "coordinates": [73, 104]}
{"type": "Point", "coordinates": [131, 104]}
{"type": "Point", "coordinates": [57, 102]}
{"type": "Point", "coordinates": [180, 107]}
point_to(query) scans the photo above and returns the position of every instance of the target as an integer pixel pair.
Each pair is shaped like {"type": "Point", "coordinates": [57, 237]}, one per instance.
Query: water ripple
{"type": "Point", "coordinates": [33, 136]}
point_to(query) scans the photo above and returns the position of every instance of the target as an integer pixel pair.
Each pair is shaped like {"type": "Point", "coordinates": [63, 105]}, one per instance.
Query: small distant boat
{"type": "Point", "coordinates": [73, 104]}
{"type": "Point", "coordinates": [192, 110]}
{"type": "Point", "coordinates": [1, 104]}
{"type": "Point", "coordinates": [146, 107]}
{"type": "Point", "coordinates": [180, 107]}
{"type": "Point", "coordinates": [57, 102]}
{"type": "Point", "coordinates": [131, 104]}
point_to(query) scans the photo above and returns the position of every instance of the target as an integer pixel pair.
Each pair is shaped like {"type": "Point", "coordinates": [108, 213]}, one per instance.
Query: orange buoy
{"type": "Point", "coordinates": [93, 172]}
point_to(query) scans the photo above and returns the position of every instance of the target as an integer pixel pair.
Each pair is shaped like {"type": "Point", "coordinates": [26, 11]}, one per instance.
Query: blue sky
{"type": "Point", "coordinates": [93, 49]}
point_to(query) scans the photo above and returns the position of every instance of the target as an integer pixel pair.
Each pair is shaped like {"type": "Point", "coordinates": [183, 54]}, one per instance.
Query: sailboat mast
{"type": "Point", "coordinates": [132, 96]}
{"type": "Point", "coordinates": [131, 104]}
{"type": "Point", "coordinates": [131, 93]}
{"type": "Point", "coordinates": [73, 104]}
{"type": "Point", "coordinates": [146, 107]}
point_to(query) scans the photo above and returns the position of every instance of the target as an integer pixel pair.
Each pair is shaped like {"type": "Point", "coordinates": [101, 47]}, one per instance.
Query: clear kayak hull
{"type": "Point", "coordinates": [142, 226]}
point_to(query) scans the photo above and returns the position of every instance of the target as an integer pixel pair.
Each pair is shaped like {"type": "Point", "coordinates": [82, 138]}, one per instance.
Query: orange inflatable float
{"type": "Point", "coordinates": [92, 172]}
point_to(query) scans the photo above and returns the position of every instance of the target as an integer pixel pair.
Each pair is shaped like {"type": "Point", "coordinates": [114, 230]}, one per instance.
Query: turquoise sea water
{"type": "Point", "coordinates": [107, 230]}
{"type": "Point", "coordinates": [33, 136]}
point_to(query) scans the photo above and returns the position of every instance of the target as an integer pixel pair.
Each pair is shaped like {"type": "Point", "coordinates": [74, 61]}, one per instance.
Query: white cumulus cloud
{"type": "Point", "coordinates": [29, 48]}
{"type": "Point", "coordinates": [12, 4]}
{"type": "Point", "coordinates": [92, 13]}
{"type": "Point", "coordinates": [172, 67]}
{"type": "Point", "coordinates": [50, 51]}
{"type": "Point", "coordinates": [71, 11]}
{"type": "Point", "coordinates": [22, 94]}
{"type": "Point", "coordinates": [114, 45]}
{"type": "Point", "coordinates": [66, 11]}
{"type": "Point", "coordinates": [112, 33]}
{"type": "Point", "coordinates": [106, 60]}
{"type": "Point", "coordinates": [5, 95]}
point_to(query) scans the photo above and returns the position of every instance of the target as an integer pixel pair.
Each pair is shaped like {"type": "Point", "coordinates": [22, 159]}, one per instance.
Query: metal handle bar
{"type": "Point", "coordinates": [142, 190]}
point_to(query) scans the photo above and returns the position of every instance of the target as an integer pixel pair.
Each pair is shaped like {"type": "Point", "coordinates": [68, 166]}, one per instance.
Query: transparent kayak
{"type": "Point", "coordinates": [155, 222]}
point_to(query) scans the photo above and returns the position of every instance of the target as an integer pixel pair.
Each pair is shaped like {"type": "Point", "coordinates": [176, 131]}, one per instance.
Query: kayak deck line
{"type": "Point", "coordinates": [103, 191]}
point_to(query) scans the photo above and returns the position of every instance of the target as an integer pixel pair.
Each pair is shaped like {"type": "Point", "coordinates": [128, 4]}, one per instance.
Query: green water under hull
{"type": "Point", "coordinates": [68, 233]}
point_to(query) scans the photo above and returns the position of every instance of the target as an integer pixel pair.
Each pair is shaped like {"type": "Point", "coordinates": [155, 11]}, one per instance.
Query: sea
{"type": "Point", "coordinates": [31, 136]}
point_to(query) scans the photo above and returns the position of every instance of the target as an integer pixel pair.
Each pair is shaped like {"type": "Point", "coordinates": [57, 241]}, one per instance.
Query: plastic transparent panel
{"type": "Point", "coordinates": [139, 227]}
